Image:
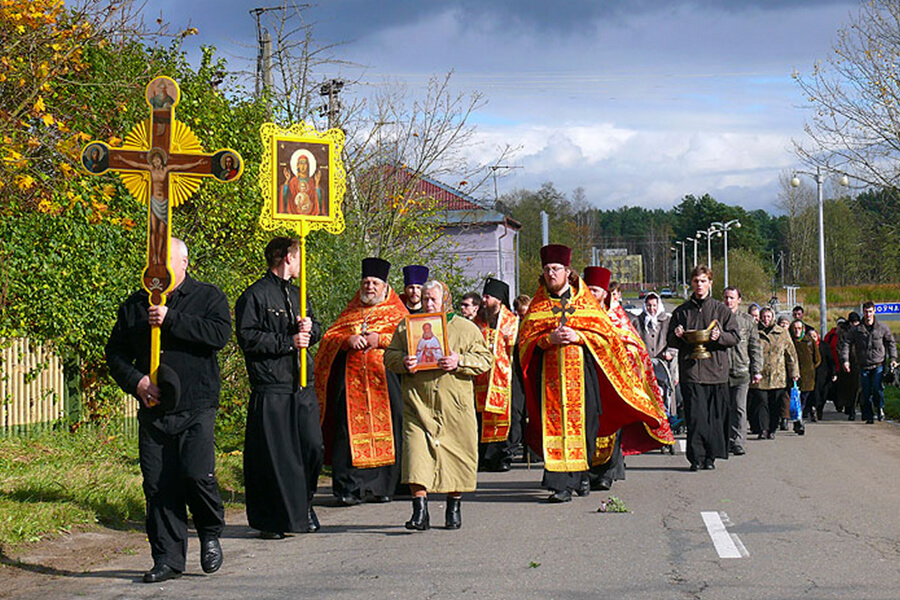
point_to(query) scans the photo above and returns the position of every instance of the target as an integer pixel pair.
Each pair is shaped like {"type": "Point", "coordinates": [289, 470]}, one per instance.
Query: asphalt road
{"type": "Point", "coordinates": [809, 517]}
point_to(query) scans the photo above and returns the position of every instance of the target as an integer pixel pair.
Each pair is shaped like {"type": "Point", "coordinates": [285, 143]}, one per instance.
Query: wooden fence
{"type": "Point", "coordinates": [32, 386]}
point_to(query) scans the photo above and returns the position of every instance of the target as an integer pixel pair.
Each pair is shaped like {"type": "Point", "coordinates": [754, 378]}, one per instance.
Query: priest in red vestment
{"type": "Point", "coordinates": [498, 391]}
{"type": "Point", "coordinates": [575, 368]}
{"type": "Point", "coordinates": [359, 400]}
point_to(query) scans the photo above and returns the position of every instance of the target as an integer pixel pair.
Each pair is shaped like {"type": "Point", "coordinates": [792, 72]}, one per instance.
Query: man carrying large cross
{"type": "Point", "coordinates": [568, 367]}
{"type": "Point", "coordinates": [178, 395]}
{"type": "Point", "coordinates": [177, 453]}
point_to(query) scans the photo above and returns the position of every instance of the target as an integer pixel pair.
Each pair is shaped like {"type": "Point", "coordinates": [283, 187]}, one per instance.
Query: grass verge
{"type": "Point", "coordinates": [53, 481]}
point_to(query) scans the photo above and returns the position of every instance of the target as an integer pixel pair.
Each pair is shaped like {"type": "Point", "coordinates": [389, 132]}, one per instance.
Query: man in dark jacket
{"type": "Point", "coordinates": [283, 448]}
{"type": "Point", "coordinates": [704, 381]}
{"type": "Point", "coordinates": [177, 416]}
{"type": "Point", "coordinates": [874, 344]}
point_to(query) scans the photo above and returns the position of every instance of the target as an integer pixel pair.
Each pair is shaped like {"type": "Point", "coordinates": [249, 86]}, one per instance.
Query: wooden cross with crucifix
{"type": "Point", "coordinates": [563, 310]}
{"type": "Point", "coordinates": [161, 163]}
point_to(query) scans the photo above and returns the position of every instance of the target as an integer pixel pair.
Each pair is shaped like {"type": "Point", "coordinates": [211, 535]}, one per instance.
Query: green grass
{"type": "Point", "coordinates": [53, 481]}
{"type": "Point", "coordinates": [892, 402]}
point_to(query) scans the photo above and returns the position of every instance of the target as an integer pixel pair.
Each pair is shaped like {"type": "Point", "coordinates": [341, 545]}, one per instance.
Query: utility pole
{"type": "Point", "coordinates": [494, 169]}
{"type": "Point", "coordinates": [263, 54]}
{"type": "Point", "coordinates": [330, 90]}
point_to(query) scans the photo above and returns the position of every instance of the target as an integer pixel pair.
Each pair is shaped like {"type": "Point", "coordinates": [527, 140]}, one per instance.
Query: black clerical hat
{"type": "Point", "coordinates": [415, 275]}
{"type": "Point", "coordinates": [376, 267]}
{"type": "Point", "coordinates": [498, 289]}
{"type": "Point", "coordinates": [169, 388]}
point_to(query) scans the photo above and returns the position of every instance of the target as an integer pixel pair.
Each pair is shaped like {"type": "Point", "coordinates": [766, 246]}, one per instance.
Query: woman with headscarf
{"type": "Point", "coordinates": [440, 431]}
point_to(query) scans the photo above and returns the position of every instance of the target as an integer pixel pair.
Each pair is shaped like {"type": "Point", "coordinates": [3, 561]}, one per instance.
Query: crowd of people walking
{"type": "Point", "coordinates": [406, 397]}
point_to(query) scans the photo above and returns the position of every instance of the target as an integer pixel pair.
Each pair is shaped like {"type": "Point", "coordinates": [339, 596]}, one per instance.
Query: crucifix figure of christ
{"type": "Point", "coordinates": [161, 163]}
{"type": "Point", "coordinates": [563, 310]}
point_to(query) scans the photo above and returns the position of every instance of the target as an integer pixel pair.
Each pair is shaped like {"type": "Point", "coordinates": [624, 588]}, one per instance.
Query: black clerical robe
{"type": "Point", "coordinates": [283, 447]}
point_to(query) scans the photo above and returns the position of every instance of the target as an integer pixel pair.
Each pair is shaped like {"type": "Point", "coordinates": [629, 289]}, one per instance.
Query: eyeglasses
{"type": "Point", "coordinates": [549, 269]}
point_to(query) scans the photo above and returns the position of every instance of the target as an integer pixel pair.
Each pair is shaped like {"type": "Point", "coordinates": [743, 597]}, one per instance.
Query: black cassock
{"type": "Point", "coordinates": [283, 448]}
{"type": "Point", "coordinates": [347, 479]}
{"type": "Point", "coordinates": [611, 470]}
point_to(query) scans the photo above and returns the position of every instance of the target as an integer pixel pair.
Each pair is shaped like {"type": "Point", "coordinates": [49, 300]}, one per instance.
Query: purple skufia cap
{"type": "Point", "coordinates": [415, 275]}
{"type": "Point", "coordinates": [376, 267]}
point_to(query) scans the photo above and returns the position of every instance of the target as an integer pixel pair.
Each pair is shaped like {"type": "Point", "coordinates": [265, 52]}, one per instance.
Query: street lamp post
{"type": "Point", "coordinates": [795, 182]}
{"type": "Point", "coordinates": [724, 228]}
{"type": "Point", "coordinates": [690, 239]}
{"type": "Point", "coordinates": [708, 233]}
{"type": "Point", "coordinates": [683, 274]}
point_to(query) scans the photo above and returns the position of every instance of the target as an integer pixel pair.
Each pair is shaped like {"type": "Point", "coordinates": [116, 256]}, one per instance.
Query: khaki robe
{"type": "Point", "coordinates": [440, 432]}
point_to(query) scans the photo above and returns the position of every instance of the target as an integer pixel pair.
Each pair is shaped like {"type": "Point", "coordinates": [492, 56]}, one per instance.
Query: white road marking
{"type": "Point", "coordinates": [682, 446]}
{"type": "Point", "coordinates": [726, 544]}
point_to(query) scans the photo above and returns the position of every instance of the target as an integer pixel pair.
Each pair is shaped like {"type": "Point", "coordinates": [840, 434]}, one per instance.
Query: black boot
{"type": "Point", "coordinates": [419, 520]}
{"type": "Point", "coordinates": [452, 516]}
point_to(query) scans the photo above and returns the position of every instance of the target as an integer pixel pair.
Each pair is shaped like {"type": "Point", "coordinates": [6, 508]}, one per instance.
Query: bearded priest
{"type": "Point", "coordinates": [575, 367]}
{"type": "Point", "coordinates": [358, 399]}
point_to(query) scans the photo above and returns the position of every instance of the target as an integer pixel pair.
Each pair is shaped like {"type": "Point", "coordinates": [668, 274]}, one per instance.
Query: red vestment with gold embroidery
{"type": "Point", "coordinates": [369, 418]}
{"type": "Point", "coordinates": [493, 390]}
{"type": "Point", "coordinates": [557, 372]}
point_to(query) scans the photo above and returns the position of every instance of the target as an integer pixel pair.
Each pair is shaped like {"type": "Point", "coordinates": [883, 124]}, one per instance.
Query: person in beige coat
{"type": "Point", "coordinates": [779, 363]}
{"type": "Point", "coordinates": [440, 431]}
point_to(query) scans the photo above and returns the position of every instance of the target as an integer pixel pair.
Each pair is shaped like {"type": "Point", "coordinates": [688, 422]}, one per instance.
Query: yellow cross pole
{"type": "Point", "coordinates": [304, 230]}
{"type": "Point", "coordinates": [162, 164]}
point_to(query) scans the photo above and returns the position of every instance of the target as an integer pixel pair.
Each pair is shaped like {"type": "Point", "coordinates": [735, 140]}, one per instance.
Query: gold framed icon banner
{"type": "Point", "coordinates": [302, 178]}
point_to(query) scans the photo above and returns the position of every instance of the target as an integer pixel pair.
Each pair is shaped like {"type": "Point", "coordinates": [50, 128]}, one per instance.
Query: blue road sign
{"type": "Point", "coordinates": [887, 308]}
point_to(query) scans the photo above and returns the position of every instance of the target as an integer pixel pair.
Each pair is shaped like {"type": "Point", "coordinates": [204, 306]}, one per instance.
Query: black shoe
{"type": "Point", "coordinates": [709, 464]}
{"type": "Point", "coordinates": [783, 425]}
{"type": "Point", "coordinates": [738, 451]}
{"type": "Point", "coordinates": [763, 435]}
{"type": "Point", "coordinates": [453, 516]}
{"type": "Point", "coordinates": [312, 520]}
{"type": "Point", "coordinates": [852, 417]}
{"type": "Point", "coordinates": [419, 520]}
{"type": "Point", "coordinates": [671, 449]}
{"type": "Point", "coordinates": [210, 555]}
{"type": "Point", "coordinates": [271, 535]}
{"type": "Point", "coordinates": [349, 499]}
{"type": "Point", "coordinates": [695, 467]}
{"type": "Point", "coordinates": [584, 488]}
{"type": "Point", "coordinates": [560, 497]}
{"type": "Point", "coordinates": [377, 499]}
{"type": "Point", "coordinates": [160, 573]}
{"type": "Point", "coordinates": [770, 435]}
{"type": "Point", "coordinates": [603, 484]}
{"type": "Point", "coordinates": [504, 467]}
{"type": "Point", "coordinates": [870, 421]}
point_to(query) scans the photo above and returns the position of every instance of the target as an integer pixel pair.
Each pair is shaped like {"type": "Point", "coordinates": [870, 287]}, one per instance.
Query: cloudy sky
{"type": "Point", "coordinates": [640, 102]}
